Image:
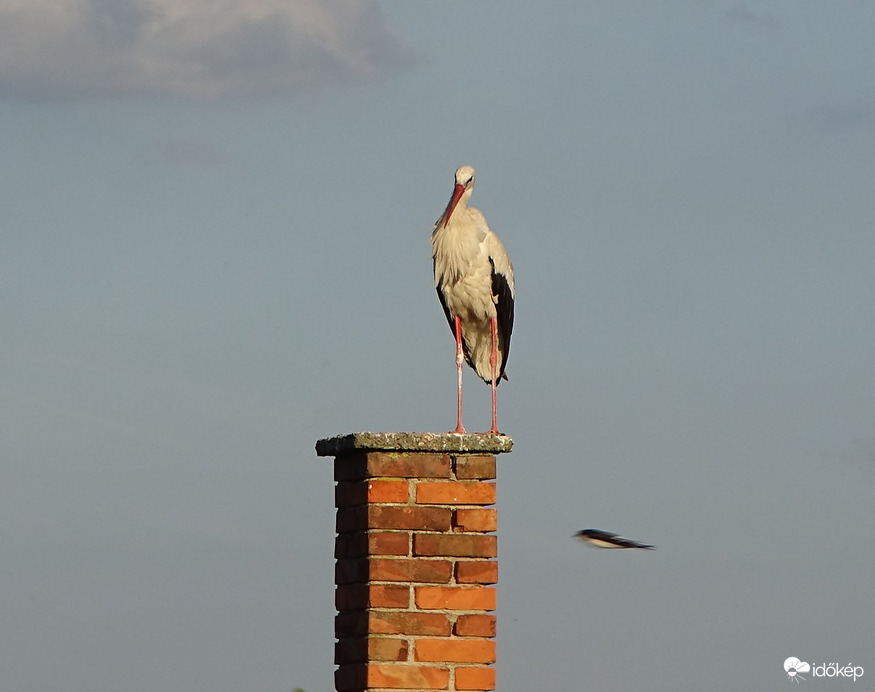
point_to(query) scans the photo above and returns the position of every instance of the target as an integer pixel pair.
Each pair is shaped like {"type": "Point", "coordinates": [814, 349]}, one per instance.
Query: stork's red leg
{"type": "Point", "coordinates": [459, 360]}
{"type": "Point", "coordinates": [493, 361]}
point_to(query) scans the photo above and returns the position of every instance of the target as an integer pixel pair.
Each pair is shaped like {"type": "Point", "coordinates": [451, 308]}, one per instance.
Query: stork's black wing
{"type": "Point", "coordinates": [504, 313]}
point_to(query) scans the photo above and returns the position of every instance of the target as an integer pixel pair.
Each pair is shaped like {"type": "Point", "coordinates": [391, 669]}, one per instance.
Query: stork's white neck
{"type": "Point", "coordinates": [456, 242]}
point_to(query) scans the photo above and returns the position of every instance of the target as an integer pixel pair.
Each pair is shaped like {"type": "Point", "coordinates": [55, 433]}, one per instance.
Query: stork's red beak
{"type": "Point", "coordinates": [458, 191]}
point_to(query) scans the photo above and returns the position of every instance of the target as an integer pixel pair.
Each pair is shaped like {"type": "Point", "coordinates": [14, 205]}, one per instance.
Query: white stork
{"type": "Point", "coordinates": [474, 281]}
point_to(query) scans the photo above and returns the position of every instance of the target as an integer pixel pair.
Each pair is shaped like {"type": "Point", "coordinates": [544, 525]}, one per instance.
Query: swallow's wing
{"type": "Point", "coordinates": [606, 539]}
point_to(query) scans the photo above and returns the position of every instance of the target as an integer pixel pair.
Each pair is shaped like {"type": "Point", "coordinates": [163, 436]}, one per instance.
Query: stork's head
{"type": "Point", "coordinates": [463, 188]}
{"type": "Point", "coordinates": [465, 176]}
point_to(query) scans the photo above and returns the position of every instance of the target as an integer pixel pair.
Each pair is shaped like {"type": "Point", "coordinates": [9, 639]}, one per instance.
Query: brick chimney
{"type": "Point", "coordinates": [416, 560]}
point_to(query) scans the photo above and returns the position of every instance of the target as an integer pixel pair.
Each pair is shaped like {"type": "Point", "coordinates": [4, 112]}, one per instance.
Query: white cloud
{"type": "Point", "coordinates": [192, 48]}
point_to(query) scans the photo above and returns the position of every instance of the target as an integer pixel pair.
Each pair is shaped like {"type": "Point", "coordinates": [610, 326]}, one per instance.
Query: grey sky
{"type": "Point", "coordinates": [200, 276]}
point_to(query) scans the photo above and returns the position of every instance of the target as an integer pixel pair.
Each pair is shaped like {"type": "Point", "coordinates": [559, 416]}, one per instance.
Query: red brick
{"type": "Point", "coordinates": [408, 622]}
{"type": "Point", "coordinates": [389, 596]}
{"type": "Point", "coordinates": [411, 570]}
{"type": "Point", "coordinates": [362, 649]}
{"type": "Point", "coordinates": [367, 517]}
{"type": "Point", "coordinates": [388, 491]}
{"type": "Point", "coordinates": [477, 572]}
{"type": "Point", "coordinates": [408, 677]}
{"type": "Point", "coordinates": [388, 543]}
{"type": "Point", "coordinates": [474, 466]}
{"type": "Point", "coordinates": [455, 493]}
{"type": "Point", "coordinates": [393, 517]}
{"type": "Point", "coordinates": [408, 465]}
{"type": "Point", "coordinates": [420, 518]}
{"type": "Point", "coordinates": [361, 623]}
{"type": "Point", "coordinates": [475, 625]}
{"type": "Point", "coordinates": [370, 491]}
{"type": "Point", "coordinates": [454, 597]}
{"type": "Point", "coordinates": [387, 649]}
{"type": "Point", "coordinates": [358, 596]}
{"type": "Point", "coordinates": [455, 545]}
{"type": "Point", "coordinates": [475, 678]}
{"type": "Point", "coordinates": [482, 520]}
{"type": "Point", "coordinates": [363, 465]}
{"type": "Point", "coordinates": [454, 650]}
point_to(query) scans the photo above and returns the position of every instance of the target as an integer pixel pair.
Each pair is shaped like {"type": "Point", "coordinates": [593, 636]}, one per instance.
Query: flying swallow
{"type": "Point", "coordinates": [604, 539]}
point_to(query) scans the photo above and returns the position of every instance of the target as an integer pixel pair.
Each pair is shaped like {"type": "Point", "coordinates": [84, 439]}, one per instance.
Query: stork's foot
{"type": "Point", "coordinates": [460, 430]}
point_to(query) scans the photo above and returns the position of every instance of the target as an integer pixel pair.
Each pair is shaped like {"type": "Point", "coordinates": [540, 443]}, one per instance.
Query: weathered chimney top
{"type": "Point", "coordinates": [469, 443]}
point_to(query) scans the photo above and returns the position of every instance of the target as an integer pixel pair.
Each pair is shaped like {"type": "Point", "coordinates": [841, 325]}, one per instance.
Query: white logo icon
{"type": "Point", "coordinates": [794, 666]}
